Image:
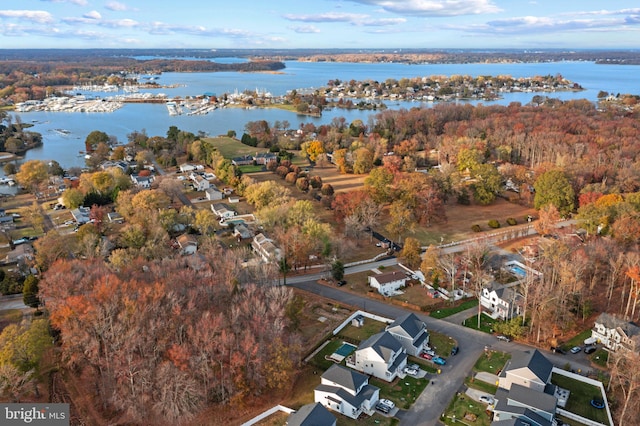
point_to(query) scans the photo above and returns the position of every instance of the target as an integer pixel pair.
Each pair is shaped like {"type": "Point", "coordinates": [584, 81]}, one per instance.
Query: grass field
{"type": "Point", "coordinates": [492, 361]}
{"type": "Point", "coordinates": [462, 406]}
{"type": "Point", "coordinates": [445, 312]}
{"type": "Point", "coordinates": [580, 397]}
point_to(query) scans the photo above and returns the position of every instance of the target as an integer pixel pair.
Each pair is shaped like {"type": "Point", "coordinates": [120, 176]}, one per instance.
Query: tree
{"type": "Point", "coordinates": [32, 174]}
{"type": "Point", "coordinates": [546, 223]}
{"type": "Point", "coordinates": [9, 169]}
{"type": "Point", "coordinates": [94, 138]}
{"type": "Point", "coordinates": [625, 377]}
{"type": "Point", "coordinates": [314, 149]}
{"type": "Point", "coordinates": [363, 160]}
{"type": "Point", "coordinates": [337, 270]}
{"type": "Point", "coordinates": [30, 291]}
{"type": "Point", "coordinates": [402, 221]}
{"type": "Point", "coordinates": [553, 187]}
{"type": "Point", "coordinates": [410, 253]}
{"type": "Point", "coordinates": [378, 184]}
{"type": "Point", "coordinates": [487, 183]}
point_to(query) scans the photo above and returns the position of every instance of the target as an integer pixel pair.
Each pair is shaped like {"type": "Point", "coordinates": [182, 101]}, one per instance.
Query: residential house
{"type": "Point", "coordinates": [528, 405]}
{"type": "Point", "coordinates": [81, 215]}
{"type": "Point", "coordinates": [265, 248]}
{"type": "Point", "coordinates": [525, 391]}
{"type": "Point", "coordinates": [4, 219]}
{"type": "Point", "coordinates": [388, 283]}
{"type": "Point", "coordinates": [615, 333]}
{"type": "Point", "coordinates": [199, 182]}
{"type": "Point", "coordinates": [265, 158]}
{"type": "Point", "coordinates": [242, 232]}
{"type": "Point", "coordinates": [346, 392]}
{"type": "Point", "coordinates": [213, 193]}
{"type": "Point", "coordinates": [311, 415]}
{"type": "Point", "coordinates": [122, 165]}
{"type": "Point", "coordinates": [530, 369]}
{"type": "Point", "coordinates": [188, 244]}
{"type": "Point", "coordinates": [223, 211]}
{"type": "Point", "coordinates": [381, 355]}
{"type": "Point", "coordinates": [411, 332]}
{"type": "Point", "coordinates": [142, 181]}
{"type": "Point", "coordinates": [186, 168]}
{"type": "Point", "coordinates": [501, 302]}
{"type": "Point", "coordinates": [115, 217]}
{"type": "Point", "coordinates": [21, 252]}
{"type": "Point", "coordinates": [246, 160]}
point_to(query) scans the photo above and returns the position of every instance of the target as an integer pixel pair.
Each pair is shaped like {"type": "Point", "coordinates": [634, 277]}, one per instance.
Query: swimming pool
{"type": "Point", "coordinates": [518, 271]}
{"type": "Point", "coordinates": [345, 349]}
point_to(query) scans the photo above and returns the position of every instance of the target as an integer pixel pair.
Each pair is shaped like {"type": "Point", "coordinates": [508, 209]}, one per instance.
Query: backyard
{"type": "Point", "coordinates": [466, 411]}
{"type": "Point", "coordinates": [579, 401]}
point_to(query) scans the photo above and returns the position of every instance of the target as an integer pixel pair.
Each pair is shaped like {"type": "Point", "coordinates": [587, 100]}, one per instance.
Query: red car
{"type": "Point", "coordinates": [426, 356]}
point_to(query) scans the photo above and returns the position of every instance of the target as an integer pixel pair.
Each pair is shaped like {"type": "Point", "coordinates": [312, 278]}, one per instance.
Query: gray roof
{"type": "Point", "coordinates": [312, 415]}
{"type": "Point", "coordinates": [534, 361]}
{"type": "Point", "coordinates": [355, 400]}
{"type": "Point", "coordinates": [532, 398]}
{"type": "Point", "coordinates": [384, 344]}
{"type": "Point", "coordinates": [407, 325]}
{"type": "Point", "coordinates": [532, 418]}
{"type": "Point", "coordinates": [612, 322]}
{"type": "Point", "coordinates": [345, 377]}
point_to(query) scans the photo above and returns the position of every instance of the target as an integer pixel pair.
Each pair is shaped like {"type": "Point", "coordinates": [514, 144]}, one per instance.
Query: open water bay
{"type": "Point", "coordinates": [65, 147]}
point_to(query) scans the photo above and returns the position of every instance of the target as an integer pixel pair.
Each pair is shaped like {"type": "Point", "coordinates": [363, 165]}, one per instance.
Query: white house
{"type": "Point", "coordinates": [213, 193]}
{"type": "Point", "coordinates": [381, 355]}
{"type": "Point", "coordinates": [615, 333]}
{"type": "Point", "coordinates": [199, 182]}
{"type": "Point", "coordinates": [188, 244]}
{"type": "Point", "coordinates": [411, 332]}
{"type": "Point", "coordinates": [501, 302]}
{"type": "Point", "coordinates": [346, 392]}
{"type": "Point", "coordinates": [223, 211]}
{"type": "Point", "coordinates": [81, 215]}
{"type": "Point", "coordinates": [142, 181]}
{"type": "Point", "coordinates": [388, 283]}
{"type": "Point", "coordinates": [530, 369]}
{"type": "Point", "coordinates": [265, 248]}
{"type": "Point", "coordinates": [186, 168]}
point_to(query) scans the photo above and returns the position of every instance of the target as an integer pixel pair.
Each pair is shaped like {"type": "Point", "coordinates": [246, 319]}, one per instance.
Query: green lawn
{"type": "Point", "coordinates": [359, 334]}
{"type": "Point", "coordinates": [486, 323]}
{"type": "Point", "coordinates": [600, 357]}
{"type": "Point", "coordinates": [319, 360]}
{"type": "Point", "coordinates": [461, 406]}
{"type": "Point", "coordinates": [445, 312]}
{"type": "Point", "coordinates": [492, 361]}
{"type": "Point", "coordinates": [230, 147]}
{"type": "Point", "coordinates": [441, 343]}
{"type": "Point", "coordinates": [251, 169]}
{"type": "Point", "coordinates": [480, 385]}
{"type": "Point", "coordinates": [577, 340]}
{"type": "Point", "coordinates": [580, 397]}
{"type": "Point", "coordinates": [403, 392]}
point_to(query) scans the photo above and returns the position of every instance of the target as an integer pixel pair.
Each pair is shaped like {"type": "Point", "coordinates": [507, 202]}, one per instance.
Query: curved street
{"type": "Point", "coordinates": [437, 396]}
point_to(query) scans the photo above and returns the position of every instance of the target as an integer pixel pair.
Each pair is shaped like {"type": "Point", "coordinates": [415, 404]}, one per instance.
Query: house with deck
{"type": "Point", "coordinates": [381, 356]}
{"type": "Point", "coordinates": [346, 392]}
{"type": "Point", "coordinates": [388, 283]}
{"type": "Point", "coordinates": [616, 333]}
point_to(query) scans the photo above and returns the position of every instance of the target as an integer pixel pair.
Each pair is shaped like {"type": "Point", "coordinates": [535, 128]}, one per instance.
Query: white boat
{"type": "Point", "coordinates": [174, 108]}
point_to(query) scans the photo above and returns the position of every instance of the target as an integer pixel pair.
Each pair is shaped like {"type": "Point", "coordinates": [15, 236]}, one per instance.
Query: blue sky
{"type": "Point", "coordinates": [282, 24]}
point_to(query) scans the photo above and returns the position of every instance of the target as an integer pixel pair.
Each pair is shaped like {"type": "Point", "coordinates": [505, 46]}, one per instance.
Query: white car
{"type": "Point", "coordinates": [486, 399]}
{"type": "Point", "coordinates": [387, 403]}
{"type": "Point", "coordinates": [575, 349]}
{"type": "Point", "coordinates": [411, 371]}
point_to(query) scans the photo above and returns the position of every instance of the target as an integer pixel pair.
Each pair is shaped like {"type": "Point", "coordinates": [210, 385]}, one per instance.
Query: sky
{"type": "Point", "coordinates": [289, 24]}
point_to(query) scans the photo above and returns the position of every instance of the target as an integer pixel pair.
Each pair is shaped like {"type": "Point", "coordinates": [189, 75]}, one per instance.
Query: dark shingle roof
{"type": "Point", "coordinates": [345, 377]}
{"type": "Point", "coordinates": [531, 398]}
{"type": "Point", "coordinates": [407, 325]}
{"type": "Point", "coordinates": [312, 415]}
{"type": "Point", "coordinates": [613, 322]}
{"type": "Point", "coordinates": [384, 344]}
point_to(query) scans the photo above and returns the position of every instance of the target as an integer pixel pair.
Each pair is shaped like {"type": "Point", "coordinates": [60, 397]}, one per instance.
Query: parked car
{"type": "Point", "coordinates": [454, 350]}
{"type": "Point", "coordinates": [486, 399]}
{"type": "Point", "coordinates": [430, 352]}
{"type": "Point", "coordinates": [426, 356]}
{"type": "Point", "coordinates": [341, 283]}
{"type": "Point", "coordinates": [589, 349]}
{"type": "Point", "coordinates": [558, 350]}
{"type": "Point", "coordinates": [503, 338]}
{"type": "Point", "coordinates": [439, 360]}
{"type": "Point", "coordinates": [575, 349]}
{"type": "Point", "coordinates": [383, 408]}
{"type": "Point", "coordinates": [388, 403]}
{"type": "Point", "coordinates": [20, 241]}
{"type": "Point", "coordinates": [411, 371]}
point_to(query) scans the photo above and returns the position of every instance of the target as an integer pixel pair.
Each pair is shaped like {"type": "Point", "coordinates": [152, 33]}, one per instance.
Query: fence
{"type": "Point", "coordinates": [592, 382]}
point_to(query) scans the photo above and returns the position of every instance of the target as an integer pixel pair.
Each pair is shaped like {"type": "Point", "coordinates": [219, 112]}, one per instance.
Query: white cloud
{"type": "Point", "coordinates": [94, 14]}
{"type": "Point", "coordinates": [306, 29]}
{"type": "Point", "coordinates": [116, 6]}
{"type": "Point", "coordinates": [39, 16]}
{"type": "Point", "coordinates": [78, 2]}
{"type": "Point", "coordinates": [326, 17]}
{"type": "Point", "coordinates": [435, 8]}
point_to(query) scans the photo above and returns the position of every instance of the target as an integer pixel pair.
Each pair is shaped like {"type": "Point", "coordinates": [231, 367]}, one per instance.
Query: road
{"type": "Point", "coordinates": [437, 396]}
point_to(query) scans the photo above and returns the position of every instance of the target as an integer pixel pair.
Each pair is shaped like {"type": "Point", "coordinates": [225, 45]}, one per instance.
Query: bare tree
{"type": "Point", "coordinates": [625, 377]}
